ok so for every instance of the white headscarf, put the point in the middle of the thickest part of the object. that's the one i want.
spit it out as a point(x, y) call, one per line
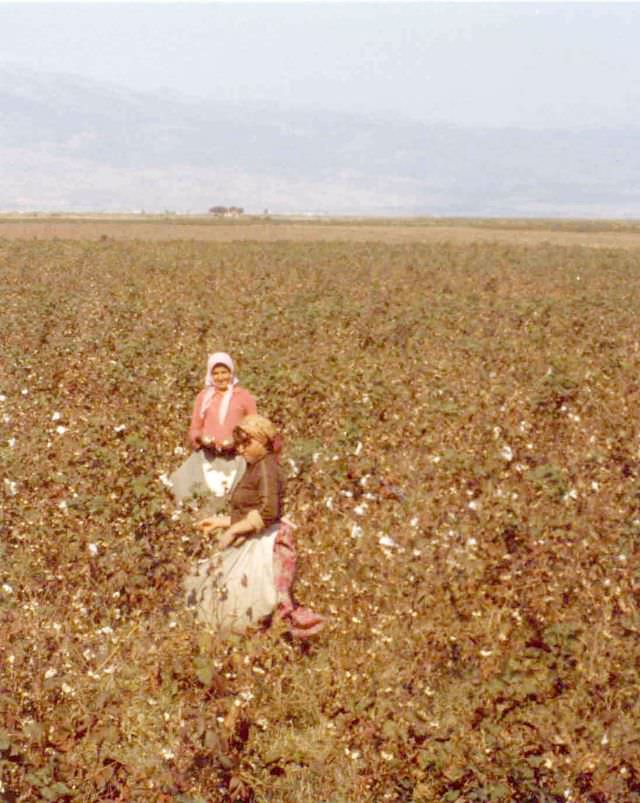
point(219, 358)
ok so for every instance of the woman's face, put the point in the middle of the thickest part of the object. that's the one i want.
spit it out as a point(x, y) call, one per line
point(221, 376)
point(251, 449)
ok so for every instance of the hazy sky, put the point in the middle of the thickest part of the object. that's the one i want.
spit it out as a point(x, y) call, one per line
point(565, 64)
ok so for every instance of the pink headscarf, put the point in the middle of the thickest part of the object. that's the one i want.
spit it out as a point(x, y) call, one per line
point(219, 358)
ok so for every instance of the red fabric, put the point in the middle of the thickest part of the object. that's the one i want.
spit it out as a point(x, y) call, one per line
point(242, 404)
point(302, 622)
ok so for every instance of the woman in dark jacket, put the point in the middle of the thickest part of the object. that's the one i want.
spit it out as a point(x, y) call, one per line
point(251, 576)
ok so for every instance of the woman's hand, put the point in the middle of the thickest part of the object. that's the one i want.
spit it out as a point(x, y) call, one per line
point(227, 538)
point(213, 523)
point(239, 530)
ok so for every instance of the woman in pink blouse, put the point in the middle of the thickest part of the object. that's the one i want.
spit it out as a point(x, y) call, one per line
point(220, 406)
point(214, 468)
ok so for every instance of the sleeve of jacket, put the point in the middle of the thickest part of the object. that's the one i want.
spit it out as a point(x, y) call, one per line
point(268, 491)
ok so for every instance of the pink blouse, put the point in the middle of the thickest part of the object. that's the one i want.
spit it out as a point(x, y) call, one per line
point(242, 404)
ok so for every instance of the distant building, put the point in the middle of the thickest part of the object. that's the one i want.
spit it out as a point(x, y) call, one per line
point(226, 211)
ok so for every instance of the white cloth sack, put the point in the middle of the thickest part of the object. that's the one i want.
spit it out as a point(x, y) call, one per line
point(222, 474)
point(204, 475)
point(235, 589)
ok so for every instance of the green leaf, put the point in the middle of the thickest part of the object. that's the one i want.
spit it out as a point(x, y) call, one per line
point(204, 670)
point(56, 791)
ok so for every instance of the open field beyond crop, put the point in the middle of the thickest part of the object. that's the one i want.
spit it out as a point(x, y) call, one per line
point(198, 228)
point(462, 427)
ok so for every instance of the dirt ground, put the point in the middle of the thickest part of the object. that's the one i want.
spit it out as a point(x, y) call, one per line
point(592, 234)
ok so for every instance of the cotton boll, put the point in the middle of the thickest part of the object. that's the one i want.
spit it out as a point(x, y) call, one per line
point(356, 531)
point(506, 453)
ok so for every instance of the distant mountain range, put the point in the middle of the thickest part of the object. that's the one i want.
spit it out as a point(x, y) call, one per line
point(71, 144)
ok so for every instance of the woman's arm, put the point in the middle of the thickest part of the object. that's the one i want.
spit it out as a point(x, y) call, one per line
point(250, 406)
point(267, 512)
point(213, 523)
point(268, 488)
point(197, 422)
point(251, 523)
